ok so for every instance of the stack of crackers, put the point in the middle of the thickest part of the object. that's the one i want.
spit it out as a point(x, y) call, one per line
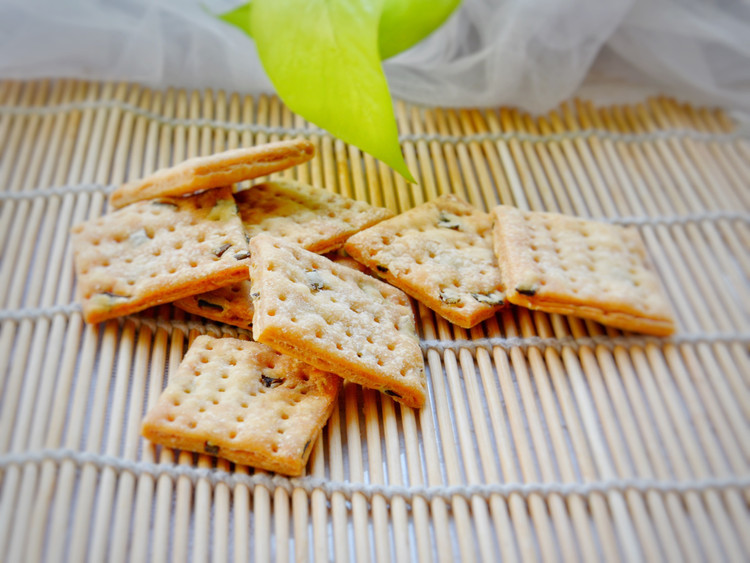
point(266, 258)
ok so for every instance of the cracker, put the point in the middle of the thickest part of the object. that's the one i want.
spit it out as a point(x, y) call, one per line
point(314, 218)
point(336, 318)
point(441, 254)
point(214, 171)
point(561, 264)
point(244, 402)
point(157, 251)
point(231, 304)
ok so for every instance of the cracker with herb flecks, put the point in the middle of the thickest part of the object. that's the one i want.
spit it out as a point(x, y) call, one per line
point(214, 171)
point(156, 251)
point(590, 269)
point(244, 402)
point(336, 318)
point(441, 254)
point(316, 219)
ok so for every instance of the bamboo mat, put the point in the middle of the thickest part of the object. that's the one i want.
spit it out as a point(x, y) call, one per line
point(545, 437)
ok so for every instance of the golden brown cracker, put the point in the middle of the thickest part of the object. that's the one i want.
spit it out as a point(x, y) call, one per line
point(441, 254)
point(314, 218)
point(156, 251)
point(336, 319)
point(214, 171)
point(244, 402)
point(591, 269)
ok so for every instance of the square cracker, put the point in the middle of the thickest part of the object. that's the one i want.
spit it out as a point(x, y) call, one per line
point(214, 171)
point(244, 402)
point(314, 218)
point(336, 318)
point(561, 264)
point(157, 251)
point(441, 254)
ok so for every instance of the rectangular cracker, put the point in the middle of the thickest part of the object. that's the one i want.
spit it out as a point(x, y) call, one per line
point(336, 318)
point(244, 402)
point(157, 251)
point(314, 218)
point(214, 171)
point(441, 254)
point(595, 270)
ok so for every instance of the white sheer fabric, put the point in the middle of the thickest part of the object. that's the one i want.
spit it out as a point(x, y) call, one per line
point(527, 53)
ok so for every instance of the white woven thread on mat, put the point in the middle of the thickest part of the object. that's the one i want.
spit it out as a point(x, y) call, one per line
point(348, 489)
point(588, 341)
point(202, 326)
point(31, 313)
point(668, 220)
point(205, 326)
point(57, 191)
point(742, 131)
point(707, 216)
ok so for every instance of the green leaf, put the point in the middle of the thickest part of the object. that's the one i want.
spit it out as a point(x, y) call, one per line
point(323, 59)
point(405, 23)
point(239, 17)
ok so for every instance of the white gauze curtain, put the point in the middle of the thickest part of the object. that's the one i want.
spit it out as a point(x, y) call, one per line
point(527, 53)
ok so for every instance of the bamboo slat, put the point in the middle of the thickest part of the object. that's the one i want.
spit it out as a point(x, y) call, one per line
point(544, 437)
